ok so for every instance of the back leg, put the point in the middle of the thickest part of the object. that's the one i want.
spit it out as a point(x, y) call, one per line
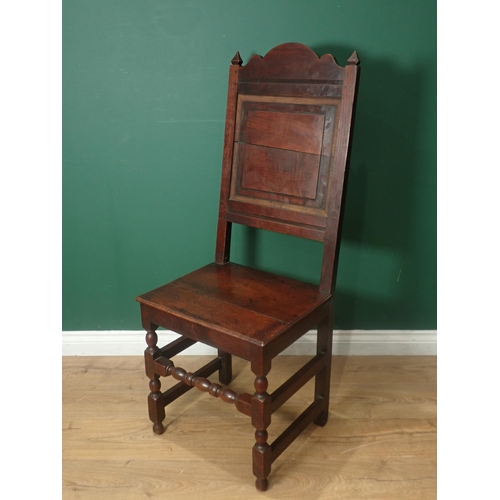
point(226, 371)
point(322, 382)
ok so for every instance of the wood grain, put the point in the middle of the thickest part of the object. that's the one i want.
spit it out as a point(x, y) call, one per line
point(379, 443)
point(302, 132)
point(278, 171)
point(275, 296)
point(237, 301)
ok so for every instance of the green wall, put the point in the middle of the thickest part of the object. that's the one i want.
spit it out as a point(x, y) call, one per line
point(144, 96)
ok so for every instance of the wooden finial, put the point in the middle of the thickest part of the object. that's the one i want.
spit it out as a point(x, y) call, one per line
point(353, 59)
point(237, 60)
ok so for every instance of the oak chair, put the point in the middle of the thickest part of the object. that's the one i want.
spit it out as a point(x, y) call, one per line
point(288, 124)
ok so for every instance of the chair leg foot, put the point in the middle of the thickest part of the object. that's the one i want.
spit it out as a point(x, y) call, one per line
point(321, 419)
point(158, 428)
point(261, 484)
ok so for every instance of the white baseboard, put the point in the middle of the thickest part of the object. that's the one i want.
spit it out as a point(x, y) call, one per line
point(345, 342)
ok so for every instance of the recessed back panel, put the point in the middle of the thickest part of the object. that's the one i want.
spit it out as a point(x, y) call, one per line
point(282, 157)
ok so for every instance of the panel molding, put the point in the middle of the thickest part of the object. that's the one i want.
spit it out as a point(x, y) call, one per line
point(346, 342)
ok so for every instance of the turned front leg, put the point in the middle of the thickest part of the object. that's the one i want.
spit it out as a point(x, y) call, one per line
point(261, 419)
point(155, 401)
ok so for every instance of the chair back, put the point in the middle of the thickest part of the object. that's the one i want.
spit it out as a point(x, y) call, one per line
point(288, 126)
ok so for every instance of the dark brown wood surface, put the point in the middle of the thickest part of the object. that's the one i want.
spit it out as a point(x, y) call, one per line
point(293, 62)
point(300, 132)
point(265, 169)
point(238, 301)
point(286, 144)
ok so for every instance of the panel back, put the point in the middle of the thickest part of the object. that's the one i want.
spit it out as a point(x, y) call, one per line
point(281, 167)
point(287, 132)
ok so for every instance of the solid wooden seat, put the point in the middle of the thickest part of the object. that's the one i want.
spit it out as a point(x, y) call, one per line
point(240, 308)
point(288, 124)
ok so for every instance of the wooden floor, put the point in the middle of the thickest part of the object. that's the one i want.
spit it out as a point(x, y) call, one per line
point(379, 443)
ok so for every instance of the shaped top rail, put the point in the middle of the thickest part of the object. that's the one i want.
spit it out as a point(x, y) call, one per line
point(291, 61)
